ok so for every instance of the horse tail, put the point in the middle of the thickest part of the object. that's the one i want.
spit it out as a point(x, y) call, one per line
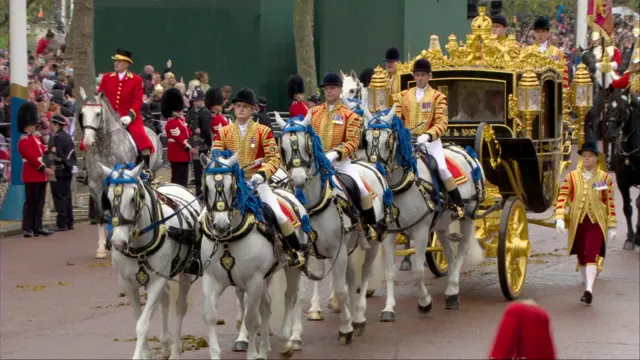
point(277, 288)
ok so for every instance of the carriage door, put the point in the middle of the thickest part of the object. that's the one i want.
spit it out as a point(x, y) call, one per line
point(547, 133)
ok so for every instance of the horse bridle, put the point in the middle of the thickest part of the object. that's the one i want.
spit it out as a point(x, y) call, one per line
point(221, 202)
point(621, 139)
point(99, 124)
point(375, 156)
point(117, 218)
point(297, 160)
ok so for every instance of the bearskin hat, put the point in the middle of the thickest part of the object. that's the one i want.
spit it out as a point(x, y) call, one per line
point(422, 65)
point(213, 97)
point(27, 115)
point(172, 100)
point(365, 77)
point(295, 85)
point(542, 23)
point(392, 54)
point(245, 95)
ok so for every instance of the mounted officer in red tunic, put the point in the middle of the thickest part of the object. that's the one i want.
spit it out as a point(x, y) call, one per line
point(124, 90)
point(295, 90)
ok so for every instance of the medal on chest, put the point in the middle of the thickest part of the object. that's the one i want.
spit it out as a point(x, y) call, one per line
point(600, 185)
point(338, 119)
point(426, 107)
point(252, 142)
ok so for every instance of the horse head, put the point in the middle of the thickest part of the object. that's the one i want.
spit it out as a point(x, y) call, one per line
point(296, 145)
point(351, 86)
point(93, 114)
point(123, 197)
point(379, 138)
point(618, 113)
point(220, 184)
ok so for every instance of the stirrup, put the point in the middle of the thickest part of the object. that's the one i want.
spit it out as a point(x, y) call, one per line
point(458, 212)
point(371, 233)
point(148, 175)
point(296, 259)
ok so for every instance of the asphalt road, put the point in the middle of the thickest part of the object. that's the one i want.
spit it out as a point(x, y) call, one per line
point(57, 302)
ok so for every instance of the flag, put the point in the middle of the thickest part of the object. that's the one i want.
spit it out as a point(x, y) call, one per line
point(600, 16)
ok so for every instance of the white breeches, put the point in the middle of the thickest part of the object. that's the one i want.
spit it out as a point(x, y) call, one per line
point(435, 149)
point(268, 197)
point(346, 167)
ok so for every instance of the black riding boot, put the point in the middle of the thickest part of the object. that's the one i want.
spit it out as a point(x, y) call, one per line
point(374, 228)
point(457, 201)
point(291, 244)
point(147, 166)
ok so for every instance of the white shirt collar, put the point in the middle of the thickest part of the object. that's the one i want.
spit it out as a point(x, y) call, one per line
point(544, 46)
point(420, 92)
point(243, 128)
point(121, 75)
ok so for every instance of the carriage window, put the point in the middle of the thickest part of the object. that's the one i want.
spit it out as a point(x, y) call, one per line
point(474, 101)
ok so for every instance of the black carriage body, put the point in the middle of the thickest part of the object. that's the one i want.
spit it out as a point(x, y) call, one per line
point(528, 167)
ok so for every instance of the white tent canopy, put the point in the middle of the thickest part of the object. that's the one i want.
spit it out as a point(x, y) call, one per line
point(625, 11)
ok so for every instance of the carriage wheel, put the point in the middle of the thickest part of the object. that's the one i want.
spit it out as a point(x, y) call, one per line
point(513, 248)
point(436, 261)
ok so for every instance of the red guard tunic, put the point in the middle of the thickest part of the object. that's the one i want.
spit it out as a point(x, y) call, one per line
point(32, 150)
point(125, 97)
point(178, 133)
point(218, 121)
point(298, 108)
point(258, 142)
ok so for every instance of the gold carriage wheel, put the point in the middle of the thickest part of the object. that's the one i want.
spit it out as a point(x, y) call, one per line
point(436, 260)
point(513, 248)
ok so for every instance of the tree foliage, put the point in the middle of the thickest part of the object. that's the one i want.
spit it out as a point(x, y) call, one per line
point(33, 8)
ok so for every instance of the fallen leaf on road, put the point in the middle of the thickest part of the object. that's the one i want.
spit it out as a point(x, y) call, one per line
point(31, 287)
point(70, 263)
point(538, 261)
point(63, 283)
point(190, 342)
point(122, 295)
point(99, 264)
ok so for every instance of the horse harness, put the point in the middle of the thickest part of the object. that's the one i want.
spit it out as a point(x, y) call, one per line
point(246, 225)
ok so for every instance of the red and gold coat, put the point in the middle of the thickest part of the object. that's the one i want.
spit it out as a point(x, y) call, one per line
point(258, 142)
point(432, 110)
point(585, 200)
point(218, 121)
point(178, 134)
point(125, 97)
point(339, 129)
point(32, 150)
point(298, 108)
point(553, 52)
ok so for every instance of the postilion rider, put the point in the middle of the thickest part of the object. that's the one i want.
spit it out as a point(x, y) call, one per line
point(424, 104)
point(124, 90)
point(179, 150)
point(339, 130)
point(588, 193)
point(35, 173)
point(499, 28)
point(63, 155)
point(251, 141)
point(391, 61)
point(199, 121)
point(542, 33)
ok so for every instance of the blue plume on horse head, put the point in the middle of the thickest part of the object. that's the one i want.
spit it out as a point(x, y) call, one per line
point(244, 198)
point(122, 178)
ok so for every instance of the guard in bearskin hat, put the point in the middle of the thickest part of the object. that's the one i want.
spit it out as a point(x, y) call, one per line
point(365, 77)
point(588, 191)
point(391, 62)
point(63, 155)
point(199, 121)
point(179, 151)
point(35, 174)
point(342, 128)
point(295, 90)
point(524, 333)
point(251, 141)
point(433, 113)
point(124, 89)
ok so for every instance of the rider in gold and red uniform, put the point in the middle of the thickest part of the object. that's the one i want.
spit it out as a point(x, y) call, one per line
point(124, 90)
point(541, 28)
point(295, 90)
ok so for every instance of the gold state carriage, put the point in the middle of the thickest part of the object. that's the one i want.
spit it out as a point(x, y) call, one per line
point(509, 106)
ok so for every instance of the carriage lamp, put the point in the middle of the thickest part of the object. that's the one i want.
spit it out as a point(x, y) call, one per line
point(529, 99)
point(582, 98)
point(379, 91)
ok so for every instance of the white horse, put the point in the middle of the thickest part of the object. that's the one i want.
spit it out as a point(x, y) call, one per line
point(236, 251)
point(109, 143)
point(311, 175)
point(352, 89)
point(417, 214)
point(149, 248)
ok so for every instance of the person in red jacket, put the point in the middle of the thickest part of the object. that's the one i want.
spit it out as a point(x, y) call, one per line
point(213, 99)
point(179, 152)
point(295, 89)
point(43, 43)
point(124, 90)
point(524, 333)
point(35, 174)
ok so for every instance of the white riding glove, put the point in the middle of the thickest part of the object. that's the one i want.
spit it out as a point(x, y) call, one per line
point(611, 234)
point(332, 156)
point(257, 179)
point(424, 138)
point(74, 170)
point(560, 227)
point(125, 120)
